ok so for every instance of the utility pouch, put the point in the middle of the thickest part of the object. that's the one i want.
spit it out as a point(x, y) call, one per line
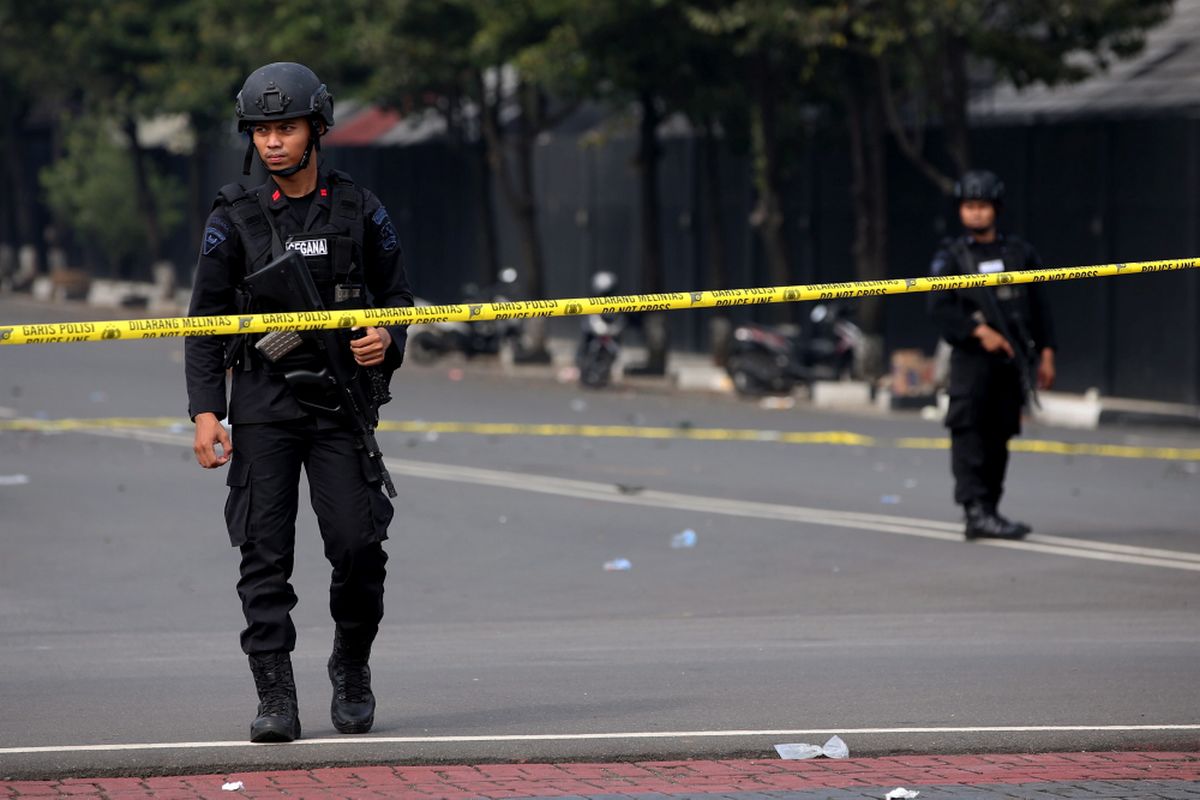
point(277, 344)
point(316, 391)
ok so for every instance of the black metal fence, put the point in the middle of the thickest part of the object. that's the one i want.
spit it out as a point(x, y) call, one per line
point(1085, 192)
point(1082, 192)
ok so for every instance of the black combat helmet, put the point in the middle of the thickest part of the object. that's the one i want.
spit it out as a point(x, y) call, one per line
point(979, 184)
point(284, 90)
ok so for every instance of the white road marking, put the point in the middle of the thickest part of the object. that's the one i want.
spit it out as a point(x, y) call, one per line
point(575, 737)
point(609, 493)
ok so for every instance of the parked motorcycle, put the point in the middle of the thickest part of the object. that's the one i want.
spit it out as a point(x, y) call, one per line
point(428, 342)
point(767, 359)
point(600, 344)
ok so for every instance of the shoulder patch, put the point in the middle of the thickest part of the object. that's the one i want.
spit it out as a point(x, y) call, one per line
point(388, 239)
point(214, 234)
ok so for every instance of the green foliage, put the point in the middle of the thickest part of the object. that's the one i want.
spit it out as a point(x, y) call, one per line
point(88, 190)
point(426, 47)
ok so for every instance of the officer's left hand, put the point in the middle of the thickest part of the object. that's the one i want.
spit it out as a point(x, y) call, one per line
point(369, 350)
point(1046, 372)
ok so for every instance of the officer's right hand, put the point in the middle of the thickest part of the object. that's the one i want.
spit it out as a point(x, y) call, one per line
point(993, 341)
point(209, 433)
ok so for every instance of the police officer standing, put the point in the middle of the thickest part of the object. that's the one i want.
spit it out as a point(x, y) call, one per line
point(353, 255)
point(1002, 343)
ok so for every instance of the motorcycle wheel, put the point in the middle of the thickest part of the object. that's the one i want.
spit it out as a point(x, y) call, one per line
point(423, 348)
point(595, 370)
point(755, 374)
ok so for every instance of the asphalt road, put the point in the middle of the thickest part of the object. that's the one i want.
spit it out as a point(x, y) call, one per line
point(828, 590)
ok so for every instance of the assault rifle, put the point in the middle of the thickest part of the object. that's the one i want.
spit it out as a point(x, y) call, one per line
point(340, 388)
point(1024, 348)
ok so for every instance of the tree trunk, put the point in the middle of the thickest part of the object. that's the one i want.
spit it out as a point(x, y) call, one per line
point(718, 270)
point(520, 196)
point(868, 189)
point(954, 101)
point(534, 347)
point(145, 198)
point(768, 216)
point(489, 263)
point(654, 325)
point(910, 144)
point(531, 240)
point(14, 163)
point(199, 201)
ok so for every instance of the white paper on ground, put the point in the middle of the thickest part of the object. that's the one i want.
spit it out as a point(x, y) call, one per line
point(793, 752)
point(834, 748)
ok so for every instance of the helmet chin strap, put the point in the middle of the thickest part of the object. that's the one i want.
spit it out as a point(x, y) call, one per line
point(314, 140)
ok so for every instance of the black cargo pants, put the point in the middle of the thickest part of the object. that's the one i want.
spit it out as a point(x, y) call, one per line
point(984, 414)
point(264, 478)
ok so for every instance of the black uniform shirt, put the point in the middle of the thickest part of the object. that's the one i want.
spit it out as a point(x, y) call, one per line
point(256, 395)
point(958, 313)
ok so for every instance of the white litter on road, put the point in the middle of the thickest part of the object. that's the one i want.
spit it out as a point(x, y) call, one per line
point(834, 748)
point(796, 752)
point(237, 786)
point(900, 793)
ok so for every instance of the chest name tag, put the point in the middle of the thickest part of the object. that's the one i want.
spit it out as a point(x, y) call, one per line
point(310, 247)
point(994, 265)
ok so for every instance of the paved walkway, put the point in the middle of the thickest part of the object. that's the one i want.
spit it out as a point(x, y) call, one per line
point(1055, 776)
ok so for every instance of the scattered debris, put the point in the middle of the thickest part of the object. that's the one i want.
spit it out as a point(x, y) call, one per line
point(618, 565)
point(232, 786)
point(567, 375)
point(834, 748)
point(683, 539)
point(456, 374)
point(14, 480)
point(431, 436)
point(628, 488)
point(796, 752)
point(900, 793)
point(890, 499)
point(777, 403)
point(579, 405)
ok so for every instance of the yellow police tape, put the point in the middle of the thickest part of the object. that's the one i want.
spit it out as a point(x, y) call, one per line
point(169, 327)
point(679, 432)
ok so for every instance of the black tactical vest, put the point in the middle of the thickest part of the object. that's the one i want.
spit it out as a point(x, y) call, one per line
point(332, 250)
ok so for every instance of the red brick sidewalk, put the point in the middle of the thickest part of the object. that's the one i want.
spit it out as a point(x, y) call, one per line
point(1077, 775)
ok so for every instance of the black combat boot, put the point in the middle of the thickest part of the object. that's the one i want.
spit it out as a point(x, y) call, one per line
point(353, 707)
point(278, 718)
point(984, 523)
point(1024, 527)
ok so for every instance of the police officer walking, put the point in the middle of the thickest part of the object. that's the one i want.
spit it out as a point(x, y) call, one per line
point(1003, 345)
point(353, 255)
